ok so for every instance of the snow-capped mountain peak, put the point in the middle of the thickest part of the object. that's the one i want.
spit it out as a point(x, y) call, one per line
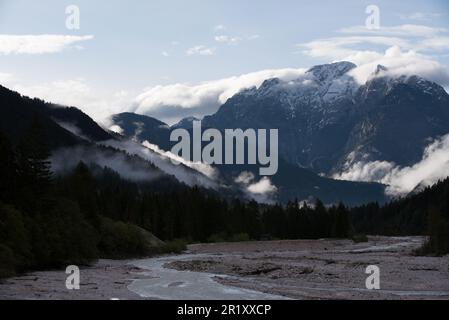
point(320, 86)
point(332, 71)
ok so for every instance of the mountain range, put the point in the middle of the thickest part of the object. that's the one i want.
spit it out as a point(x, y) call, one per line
point(326, 121)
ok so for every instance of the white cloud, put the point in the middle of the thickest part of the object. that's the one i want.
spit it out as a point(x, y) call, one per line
point(245, 178)
point(203, 168)
point(165, 53)
point(400, 63)
point(434, 166)
point(219, 27)
point(439, 43)
point(163, 161)
point(200, 51)
point(78, 93)
point(169, 103)
point(39, 44)
point(228, 40)
point(403, 49)
point(5, 78)
point(262, 187)
point(262, 191)
point(73, 129)
point(173, 102)
point(117, 129)
point(367, 171)
point(342, 48)
point(354, 46)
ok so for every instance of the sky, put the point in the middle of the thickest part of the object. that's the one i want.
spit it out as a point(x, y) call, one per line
point(175, 58)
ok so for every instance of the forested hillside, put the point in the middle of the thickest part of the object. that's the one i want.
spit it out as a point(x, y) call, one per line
point(92, 212)
point(50, 221)
point(424, 213)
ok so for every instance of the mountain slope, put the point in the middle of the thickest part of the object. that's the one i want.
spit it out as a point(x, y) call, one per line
point(312, 113)
point(62, 126)
point(291, 181)
point(72, 136)
point(397, 119)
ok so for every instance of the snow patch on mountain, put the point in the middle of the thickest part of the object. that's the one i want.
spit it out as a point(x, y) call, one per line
point(321, 85)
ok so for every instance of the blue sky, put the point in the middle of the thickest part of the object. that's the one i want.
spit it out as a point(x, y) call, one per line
point(124, 49)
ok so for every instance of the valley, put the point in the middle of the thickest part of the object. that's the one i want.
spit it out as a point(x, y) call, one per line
point(201, 150)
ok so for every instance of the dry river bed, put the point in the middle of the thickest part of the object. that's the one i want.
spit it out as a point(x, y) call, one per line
point(300, 269)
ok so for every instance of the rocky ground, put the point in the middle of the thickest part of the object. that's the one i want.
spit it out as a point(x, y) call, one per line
point(302, 269)
point(107, 279)
point(326, 269)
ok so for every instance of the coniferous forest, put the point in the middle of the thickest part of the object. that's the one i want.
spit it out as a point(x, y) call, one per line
point(49, 221)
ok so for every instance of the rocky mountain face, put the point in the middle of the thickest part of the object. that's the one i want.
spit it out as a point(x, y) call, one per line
point(327, 121)
point(396, 120)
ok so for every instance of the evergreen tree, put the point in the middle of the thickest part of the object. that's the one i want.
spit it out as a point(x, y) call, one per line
point(8, 171)
point(34, 174)
point(342, 224)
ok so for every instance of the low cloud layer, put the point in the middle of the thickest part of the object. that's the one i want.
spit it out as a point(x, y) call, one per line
point(190, 173)
point(65, 160)
point(39, 44)
point(434, 166)
point(194, 175)
point(202, 168)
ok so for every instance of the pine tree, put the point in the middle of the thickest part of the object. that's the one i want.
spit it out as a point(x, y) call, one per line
point(35, 176)
point(8, 171)
point(83, 190)
point(342, 224)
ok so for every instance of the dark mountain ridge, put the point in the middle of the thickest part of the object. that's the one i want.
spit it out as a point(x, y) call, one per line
point(17, 112)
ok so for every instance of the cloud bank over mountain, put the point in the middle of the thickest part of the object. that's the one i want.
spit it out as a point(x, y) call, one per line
point(405, 49)
point(174, 102)
point(170, 103)
point(434, 166)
